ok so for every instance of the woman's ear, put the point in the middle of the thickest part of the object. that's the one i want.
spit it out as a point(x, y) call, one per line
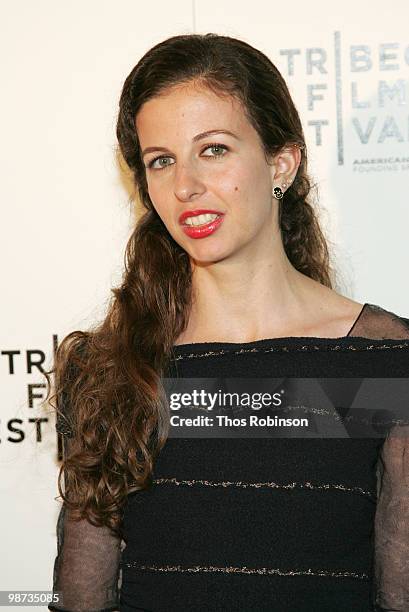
point(284, 165)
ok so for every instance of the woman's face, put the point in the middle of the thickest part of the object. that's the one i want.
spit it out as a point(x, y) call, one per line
point(190, 169)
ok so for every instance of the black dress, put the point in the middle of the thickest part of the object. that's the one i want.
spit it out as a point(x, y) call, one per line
point(261, 524)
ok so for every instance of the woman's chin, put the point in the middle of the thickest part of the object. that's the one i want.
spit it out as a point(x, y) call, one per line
point(206, 255)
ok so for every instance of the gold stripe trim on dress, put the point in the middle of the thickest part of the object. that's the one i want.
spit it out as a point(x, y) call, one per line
point(262, 485)
point(262, 571)
point(289, 349)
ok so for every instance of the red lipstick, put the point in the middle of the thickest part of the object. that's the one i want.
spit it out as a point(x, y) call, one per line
point(200, 231)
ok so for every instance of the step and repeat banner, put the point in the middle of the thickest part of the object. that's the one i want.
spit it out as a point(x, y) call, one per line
point(66, 209)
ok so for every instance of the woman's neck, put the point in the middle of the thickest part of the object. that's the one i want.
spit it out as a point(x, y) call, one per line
point(252, 308)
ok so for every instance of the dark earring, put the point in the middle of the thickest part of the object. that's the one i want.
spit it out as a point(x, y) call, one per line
point(278, 193)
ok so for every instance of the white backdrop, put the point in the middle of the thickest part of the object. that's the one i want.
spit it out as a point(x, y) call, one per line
point(65, 210)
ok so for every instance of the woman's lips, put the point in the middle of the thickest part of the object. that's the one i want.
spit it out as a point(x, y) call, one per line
point(201, 231)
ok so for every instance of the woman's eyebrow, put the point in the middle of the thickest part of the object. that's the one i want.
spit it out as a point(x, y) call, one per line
point(194, 139)
point(211, 132)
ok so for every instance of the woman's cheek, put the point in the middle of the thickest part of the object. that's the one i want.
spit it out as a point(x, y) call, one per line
point(156, 196)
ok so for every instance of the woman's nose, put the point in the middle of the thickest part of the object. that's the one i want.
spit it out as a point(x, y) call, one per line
point(188, 183)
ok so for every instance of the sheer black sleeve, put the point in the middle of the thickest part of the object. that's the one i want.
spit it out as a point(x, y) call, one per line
point(392, 523)
point(391, 529)
point(87, 566)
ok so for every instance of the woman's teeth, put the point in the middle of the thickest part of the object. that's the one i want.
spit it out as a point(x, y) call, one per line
point(200, 219)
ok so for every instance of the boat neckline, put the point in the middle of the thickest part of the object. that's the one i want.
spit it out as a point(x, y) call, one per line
point(267, 341)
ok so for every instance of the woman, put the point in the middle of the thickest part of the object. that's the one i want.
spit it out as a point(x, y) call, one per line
point(227, 274)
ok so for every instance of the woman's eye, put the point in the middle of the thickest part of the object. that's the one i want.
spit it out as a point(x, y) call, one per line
point(163, 161)
point(157, 163)
point(218, 150)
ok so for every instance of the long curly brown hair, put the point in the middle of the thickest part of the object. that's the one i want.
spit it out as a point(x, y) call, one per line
point(107, 380)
